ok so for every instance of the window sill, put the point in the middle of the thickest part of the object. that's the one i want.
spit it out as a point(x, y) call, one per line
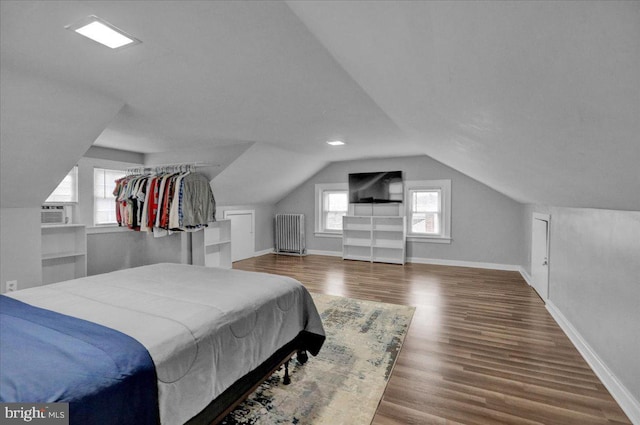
point(429, 239)
point(327, 235)
point(106, 229)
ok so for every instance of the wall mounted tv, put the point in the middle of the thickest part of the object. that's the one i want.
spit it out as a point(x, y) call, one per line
point(375, 188)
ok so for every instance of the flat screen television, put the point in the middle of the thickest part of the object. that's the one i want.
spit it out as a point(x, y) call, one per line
point(375, 188)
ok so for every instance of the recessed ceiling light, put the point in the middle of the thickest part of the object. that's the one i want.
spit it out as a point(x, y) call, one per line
point(103, 32)
point(335, 142)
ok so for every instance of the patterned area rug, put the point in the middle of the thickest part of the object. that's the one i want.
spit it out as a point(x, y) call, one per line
point(345, 382)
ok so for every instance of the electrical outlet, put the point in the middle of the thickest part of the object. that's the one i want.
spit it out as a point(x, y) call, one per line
point(12, 285)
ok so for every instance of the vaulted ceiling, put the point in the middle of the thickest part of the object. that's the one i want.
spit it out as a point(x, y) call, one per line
point(539, 100)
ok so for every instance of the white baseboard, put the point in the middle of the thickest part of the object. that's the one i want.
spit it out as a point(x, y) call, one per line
point(629, 404)
point(309, 252)
point(327, 253)
point(263, 252)
point(526, 276)
point(458, 263)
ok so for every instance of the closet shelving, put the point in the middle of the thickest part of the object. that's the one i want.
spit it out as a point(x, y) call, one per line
point(374, 238)
point(211, 247)
point(64, 252)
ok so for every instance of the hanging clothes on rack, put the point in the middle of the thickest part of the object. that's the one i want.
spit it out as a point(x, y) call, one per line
point(170, 199)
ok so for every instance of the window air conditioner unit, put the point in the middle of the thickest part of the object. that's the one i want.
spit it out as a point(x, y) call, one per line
point(53, 214)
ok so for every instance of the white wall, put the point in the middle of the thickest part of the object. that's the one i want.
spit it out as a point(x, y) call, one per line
point(107, 252)
point(124, 249)
point(264, 222)
point(485, 225)
point(20, 247)
point(594, 283)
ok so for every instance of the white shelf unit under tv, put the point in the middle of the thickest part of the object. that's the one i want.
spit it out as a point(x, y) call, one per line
point(374, 238)
point(64, 252)
point(211, 247)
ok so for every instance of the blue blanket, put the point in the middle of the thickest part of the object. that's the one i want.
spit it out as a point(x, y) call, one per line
point(106, 376)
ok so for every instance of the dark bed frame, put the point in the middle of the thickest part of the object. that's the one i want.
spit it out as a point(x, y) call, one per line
point(242, 388)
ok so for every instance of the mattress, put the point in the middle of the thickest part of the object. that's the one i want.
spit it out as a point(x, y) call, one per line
point(204, 327)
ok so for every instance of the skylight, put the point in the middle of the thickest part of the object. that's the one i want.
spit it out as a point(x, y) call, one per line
point(103, 32)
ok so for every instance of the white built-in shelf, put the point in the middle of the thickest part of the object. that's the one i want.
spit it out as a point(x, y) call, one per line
point(64, 252)
point(391, 209)
point(358, 226)
point(356, 242)
point(53, 256)
point(389, 244)
point(211, 247)
point(374, 238)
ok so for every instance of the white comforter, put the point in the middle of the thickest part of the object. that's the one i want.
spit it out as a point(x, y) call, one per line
point(204, 327)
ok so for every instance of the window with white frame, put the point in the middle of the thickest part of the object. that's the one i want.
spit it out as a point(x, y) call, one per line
point(426, 212)
point(332, 203)
point(67, 190)
point(104, 211)
point(429, 209)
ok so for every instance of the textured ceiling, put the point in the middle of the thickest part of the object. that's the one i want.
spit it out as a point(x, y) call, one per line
point(539, 100)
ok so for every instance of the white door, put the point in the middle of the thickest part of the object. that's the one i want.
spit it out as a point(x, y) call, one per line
point(242, 234)
point(540, 255)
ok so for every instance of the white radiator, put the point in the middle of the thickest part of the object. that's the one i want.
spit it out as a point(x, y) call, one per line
point(289, 234)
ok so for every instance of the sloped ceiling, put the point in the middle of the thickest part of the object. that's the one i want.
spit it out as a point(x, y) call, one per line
point(539, 100)
point(210, 161)
point(263, 173)
point(45, 128)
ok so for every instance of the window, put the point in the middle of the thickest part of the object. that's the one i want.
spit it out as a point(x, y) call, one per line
point(429, 210)
point(332, 203)
point(67, 190)
point(335, 207)
point(425, 214)
point(104, 211)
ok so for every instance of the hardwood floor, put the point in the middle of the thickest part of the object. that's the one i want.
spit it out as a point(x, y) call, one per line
point(481, 348)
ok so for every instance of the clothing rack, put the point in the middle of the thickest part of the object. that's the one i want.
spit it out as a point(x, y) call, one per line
point(167, 168)
point(164, 198)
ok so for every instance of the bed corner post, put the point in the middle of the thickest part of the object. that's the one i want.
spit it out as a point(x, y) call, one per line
point(286, 380)
point(302, 357)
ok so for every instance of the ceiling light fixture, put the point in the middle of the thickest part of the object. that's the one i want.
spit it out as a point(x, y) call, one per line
point(103, 32)
point(335, 142)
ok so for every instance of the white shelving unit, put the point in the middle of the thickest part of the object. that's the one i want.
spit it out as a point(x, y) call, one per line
point(392, 209)
point(64, 252)
point(374, 238)
point(388, 240)
point(211, 247)
point(356, 238)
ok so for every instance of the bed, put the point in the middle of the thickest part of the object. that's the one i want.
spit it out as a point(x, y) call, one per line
point(211, 335)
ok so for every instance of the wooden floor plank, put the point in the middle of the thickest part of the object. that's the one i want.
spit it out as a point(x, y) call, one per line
point(481, 349)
